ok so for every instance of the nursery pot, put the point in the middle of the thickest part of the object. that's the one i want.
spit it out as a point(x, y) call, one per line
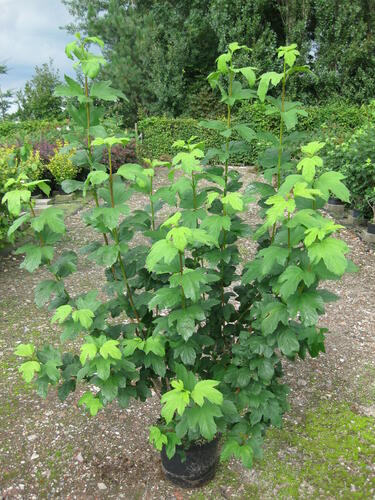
point(198, 468)
point(371, 227)
point(355, 213)
point(335, 201)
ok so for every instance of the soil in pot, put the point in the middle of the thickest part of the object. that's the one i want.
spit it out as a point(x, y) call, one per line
point(198, 468)
point(371, 227)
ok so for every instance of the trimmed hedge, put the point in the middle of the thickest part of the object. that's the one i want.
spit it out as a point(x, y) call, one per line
point(340, 119)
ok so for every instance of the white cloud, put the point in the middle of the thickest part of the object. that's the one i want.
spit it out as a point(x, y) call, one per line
point(30, 36)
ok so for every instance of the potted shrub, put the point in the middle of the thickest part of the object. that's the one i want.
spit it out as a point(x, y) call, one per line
point(205, 329)
point(371, 202)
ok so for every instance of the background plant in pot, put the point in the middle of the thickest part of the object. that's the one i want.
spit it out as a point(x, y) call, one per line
point(370, 198)
point(183, 312)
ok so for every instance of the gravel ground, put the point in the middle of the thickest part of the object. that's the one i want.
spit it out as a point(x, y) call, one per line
point(326, 449)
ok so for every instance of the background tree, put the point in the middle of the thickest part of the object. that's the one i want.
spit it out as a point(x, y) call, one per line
point(159, 51)
point(36, 101)
point(6, 97)
point(6, 101)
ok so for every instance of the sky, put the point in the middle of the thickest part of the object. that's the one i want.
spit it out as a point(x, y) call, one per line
point(29, 36)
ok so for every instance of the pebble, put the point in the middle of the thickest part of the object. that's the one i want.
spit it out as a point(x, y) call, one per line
point(32, 437)
point(79, 457)
point(34, 456)
point(102, 486)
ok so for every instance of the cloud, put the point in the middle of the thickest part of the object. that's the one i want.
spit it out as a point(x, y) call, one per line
point(30, 36)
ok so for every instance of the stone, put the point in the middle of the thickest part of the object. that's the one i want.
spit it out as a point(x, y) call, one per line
point(336, 211)
point(368, 237)
point(102, 486)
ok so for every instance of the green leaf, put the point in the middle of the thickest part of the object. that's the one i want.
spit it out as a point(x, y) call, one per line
point(246, 455)
point(206, 389)
point(247, 133)
point(157, 438)
point(109, 216)
point(291, 278)
point(88, 351)
point(25, 350)
point(105, 255)
point(264, 83)
point(308, 304)
point(18, 223)
point(204, 418)
point(14, 200)
point(279, 206)
point(332, 252)
point(214, 224)
point(164, 297)
point(308, 167)
point(271, 256)
point(312, 148)
point(266, 370)
point(288, 343)
point(172, 221)
point(109, 348)
point(234, 200)
point(229, 449)
point(34, 256)
point(103, 90)
point(70, 185)
point(28, 370)
point(191, 281)
point(186, 353)
point(130, 345)
point(71, 89)
point(161, 250)
point(91, 402)
point(155, 344)
point(65, 265)
point(103, 367)
point(331, 181)
point(180, 236)
point(51, 370)
point(61, 313)
point(213, 125)
point(249, 74)
point(97, 177)
point(45, 289)
point(84, 317)
point(272, 315)
point(175, 400)
point(173, 441)
point(51, 217)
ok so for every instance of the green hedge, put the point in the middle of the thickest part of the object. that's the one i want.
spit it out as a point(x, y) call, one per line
point(335, 118)
point(159, 133)
point(11, 131)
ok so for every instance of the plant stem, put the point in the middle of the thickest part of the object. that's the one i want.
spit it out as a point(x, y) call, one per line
point(183, 301)
point(89, 149)
point(116, 238)
point(280, 152)
point(152, 207)
point(229, 111)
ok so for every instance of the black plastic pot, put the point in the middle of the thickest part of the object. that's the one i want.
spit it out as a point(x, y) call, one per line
point(335, 201)
point(198, 468)
point(371, 227)
point(356, 214)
